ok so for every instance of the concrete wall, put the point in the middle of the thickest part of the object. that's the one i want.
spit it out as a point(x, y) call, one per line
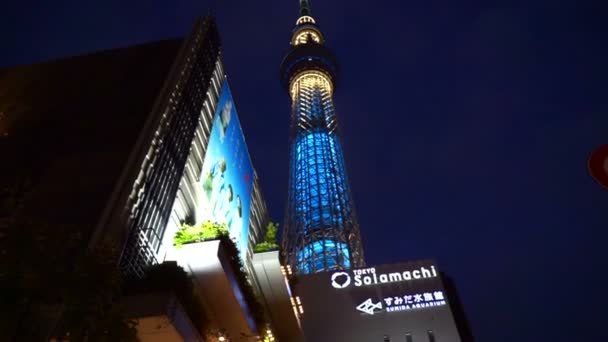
point(276, 296)
point(209, 265)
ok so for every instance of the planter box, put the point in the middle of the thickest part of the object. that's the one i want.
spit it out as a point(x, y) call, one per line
point(209, 264)
point(161, 318)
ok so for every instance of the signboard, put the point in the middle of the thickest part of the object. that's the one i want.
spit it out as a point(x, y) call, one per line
point(364, 304)
point(400, 287)
point(369, 276)
point(227, 175)
point(402, 303)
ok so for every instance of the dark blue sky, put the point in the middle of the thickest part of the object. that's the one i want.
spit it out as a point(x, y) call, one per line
point(466, 127)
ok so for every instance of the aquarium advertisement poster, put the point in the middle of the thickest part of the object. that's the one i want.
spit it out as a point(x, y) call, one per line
point(227, 175)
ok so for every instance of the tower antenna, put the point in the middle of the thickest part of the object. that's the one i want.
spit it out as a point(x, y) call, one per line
point(304, 8)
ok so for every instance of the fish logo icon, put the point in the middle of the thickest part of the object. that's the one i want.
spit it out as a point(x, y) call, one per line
point(369, 306)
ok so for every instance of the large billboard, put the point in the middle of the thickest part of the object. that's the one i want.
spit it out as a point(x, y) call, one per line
point(227, 175)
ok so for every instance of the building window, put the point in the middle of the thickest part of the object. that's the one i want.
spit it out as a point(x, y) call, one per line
point(387, 338)
point(408, 337)
point(431, 335)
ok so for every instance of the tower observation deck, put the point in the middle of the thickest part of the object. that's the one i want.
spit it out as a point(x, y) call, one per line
point(321, 232)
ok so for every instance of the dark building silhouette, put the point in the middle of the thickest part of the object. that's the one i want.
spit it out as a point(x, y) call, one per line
point(460, 317)
point(114, 141)
point(67, 128)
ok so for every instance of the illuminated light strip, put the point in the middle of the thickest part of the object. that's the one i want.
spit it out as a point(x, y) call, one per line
point(302, 37)
point(300, 308)
point(286, 270)
point(305, 19)
point(308, 80)
point(296, 307)
point(295, 311)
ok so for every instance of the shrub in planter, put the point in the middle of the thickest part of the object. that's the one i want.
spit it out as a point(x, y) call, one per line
point(205, 231)
point(270, 243)
point(214, 231)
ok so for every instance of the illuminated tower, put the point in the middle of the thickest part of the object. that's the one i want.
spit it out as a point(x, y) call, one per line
point(321, 231)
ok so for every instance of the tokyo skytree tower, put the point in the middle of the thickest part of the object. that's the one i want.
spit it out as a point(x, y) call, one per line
point(321, 231)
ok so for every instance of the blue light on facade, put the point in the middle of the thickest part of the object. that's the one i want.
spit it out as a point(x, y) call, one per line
point(316, 188)
point(312, 258)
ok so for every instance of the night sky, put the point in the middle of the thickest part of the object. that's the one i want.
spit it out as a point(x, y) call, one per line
point(466, 127)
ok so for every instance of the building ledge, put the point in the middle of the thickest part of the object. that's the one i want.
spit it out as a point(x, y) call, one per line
point(160, 317)
point(209, 264)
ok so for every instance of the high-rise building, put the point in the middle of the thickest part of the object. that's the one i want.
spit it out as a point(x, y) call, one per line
point(115, 141)
point(321, 231)
point(131, 144)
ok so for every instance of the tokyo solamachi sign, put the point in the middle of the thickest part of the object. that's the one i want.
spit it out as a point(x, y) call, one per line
point(369, 276)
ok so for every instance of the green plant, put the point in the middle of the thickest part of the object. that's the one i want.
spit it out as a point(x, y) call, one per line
point(265, 247)
point(203, 232)
point(270, 243)
point(271, 232)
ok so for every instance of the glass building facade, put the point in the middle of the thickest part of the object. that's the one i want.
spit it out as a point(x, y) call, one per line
point(154, 190)
point(166, 192)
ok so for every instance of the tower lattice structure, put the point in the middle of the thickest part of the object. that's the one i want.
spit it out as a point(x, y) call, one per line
point(321, 231)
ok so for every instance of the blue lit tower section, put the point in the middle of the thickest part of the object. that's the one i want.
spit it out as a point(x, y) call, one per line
point(321, 232)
